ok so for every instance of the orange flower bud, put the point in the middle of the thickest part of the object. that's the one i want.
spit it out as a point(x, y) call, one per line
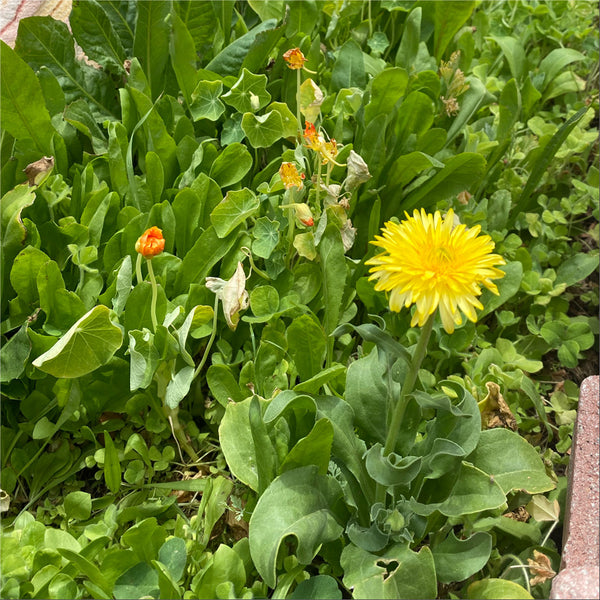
point(304, 214)
point(294, 58)
point(151, 243)
point(290, 176)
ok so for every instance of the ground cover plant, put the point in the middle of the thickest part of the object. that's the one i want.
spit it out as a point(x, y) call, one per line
point(296, 298)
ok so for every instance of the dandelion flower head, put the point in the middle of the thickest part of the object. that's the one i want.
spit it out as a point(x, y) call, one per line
point(430, 262)
point(150, 243)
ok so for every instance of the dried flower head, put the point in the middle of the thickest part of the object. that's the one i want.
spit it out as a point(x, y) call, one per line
point(294, 58)
point(430, 262)
point(151, 243)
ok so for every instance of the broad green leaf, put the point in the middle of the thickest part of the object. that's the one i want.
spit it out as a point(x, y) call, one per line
point(226, 566)
point(78, 505)
point(314, 384)
point(333, 270)
point(14, 355)
point(509, 109)
point(139, 581)
point(349, 68)
point(317, 587)
point(44, 41)
point(62, 586)
point(301, 18)
point(449, 17)
point(143, 359)
point(263, 448)
point(391, 469)
point(183, 56)
point(205, 101)
point(298, 503)
point(457, 559)
point(202, 256)
point(138, 307)
point(469, 102)
point(199, 19)
point(288, 119)
point(235, 208)
point(313, 449)
point(79, 115)
point(491, 589)
point(167, 586)
point(151, 42)
point(173, 555)
point(514, 53)
point(231, 165)
point(266, 236)
point(576, 268)
point(24, 271)
point(223, 386)
point(267, 9)
point(179, 386)
point(248, 93)
point(94, 32)
point(399, 573)
point(264, 301)
point(405, 168)
point(90, 343)
point(411, 36)
point(307, 346)
point(555, 62)
point(508, 286)
point(461, 172)
point(264, 130)
point(512, 461)
point(386, 91)
point(88, 568)
point(112, 466)
point(230, 59)
point(415, 116)
point(24, 112)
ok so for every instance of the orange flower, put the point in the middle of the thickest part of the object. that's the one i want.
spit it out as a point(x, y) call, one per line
point(151, 243)
point(313, 140)
point(290, 176)
point(330, 151)
point(294, 58)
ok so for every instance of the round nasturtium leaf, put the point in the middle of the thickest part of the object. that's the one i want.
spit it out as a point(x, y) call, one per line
point(87, 345)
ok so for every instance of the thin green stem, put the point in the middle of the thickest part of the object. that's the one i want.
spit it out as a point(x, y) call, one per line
point(407, 388)
point(298, 114)
point(154, 294)
point(179, 433)
point(318, 191)
point(138, 268)
point(210, 340)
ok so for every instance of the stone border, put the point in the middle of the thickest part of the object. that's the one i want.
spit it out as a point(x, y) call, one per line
point(579, 569)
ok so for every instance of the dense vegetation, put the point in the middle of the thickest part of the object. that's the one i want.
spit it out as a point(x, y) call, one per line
point(200, 382)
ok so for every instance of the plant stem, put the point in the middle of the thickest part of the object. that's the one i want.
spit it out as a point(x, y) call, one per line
point(210, 340)
point(179, 433)
point(138, 268)
point(298, 114)
point(154, 294)
point(409, 382)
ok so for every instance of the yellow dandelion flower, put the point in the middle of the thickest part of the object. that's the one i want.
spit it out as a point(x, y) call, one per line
point(430, 262)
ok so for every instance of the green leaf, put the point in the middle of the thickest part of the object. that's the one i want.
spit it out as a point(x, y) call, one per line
point(266, 237)
point(525, 201)
point(231, 165)
point(313, 449)
point(288, 118)
point(144, 359)
point(405, 168)
point(333, 269)
point(391, 469)
point(307, 346)
point(449, 17)
point(512, 461)
point(555, 62)
point(95, 34)
point(235, 208)
point(24, 113)
point(204, 254)
point(78, 505)
point(508, 286)
point(226, 566)
point(349, 68)
point(461, 172)
point(90, 343)
point(264, 301)
point(183, 57)
point(457, 559)
point(399, 573)
point(179, 386)
point(317, 587)
point(44, 41)
point(14, 355)
point(223, 385)
point(386, 91)
point(470, 102)
point(298, 503)
point(88, 568)
point(514, 53)
point(231, 58)
point(575, 269)
point(151, 42)
point(314, 384)
point(264, 130)
point(79, 115)
point(24, 271)
point(248, 93)
point(137, 314)
point(263, 449)
point(112, 466)
point(173, 555)
point(139, 581)
point(267, 9)
point(205, 101)
point(491, 589)
point(411, 36)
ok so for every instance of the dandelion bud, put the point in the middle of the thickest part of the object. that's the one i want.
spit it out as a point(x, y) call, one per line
point(151, 243)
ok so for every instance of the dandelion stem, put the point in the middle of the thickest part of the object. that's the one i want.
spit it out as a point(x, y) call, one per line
point(138, 268)
point(409, 382)
point(210, 340)
point(154, 295)
point(298, 114)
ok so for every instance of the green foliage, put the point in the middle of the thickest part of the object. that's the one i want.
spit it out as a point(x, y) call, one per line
point(213, 421)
